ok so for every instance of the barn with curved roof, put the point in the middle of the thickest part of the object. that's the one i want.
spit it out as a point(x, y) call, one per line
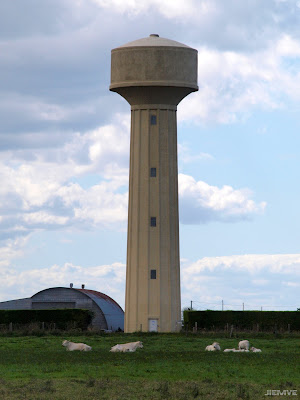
point(108, 315)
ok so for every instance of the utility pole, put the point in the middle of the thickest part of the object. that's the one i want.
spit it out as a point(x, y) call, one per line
point(191, 304)
point(243, 306)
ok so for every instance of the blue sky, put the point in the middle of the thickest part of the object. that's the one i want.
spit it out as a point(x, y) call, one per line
point(64, 148)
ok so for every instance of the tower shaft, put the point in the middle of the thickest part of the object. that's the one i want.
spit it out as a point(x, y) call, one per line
point(153, 274)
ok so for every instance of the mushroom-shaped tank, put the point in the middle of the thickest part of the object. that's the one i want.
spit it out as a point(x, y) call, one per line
point(154, 70)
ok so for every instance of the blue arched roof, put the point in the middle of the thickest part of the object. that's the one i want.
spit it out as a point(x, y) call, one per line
point(113, 313)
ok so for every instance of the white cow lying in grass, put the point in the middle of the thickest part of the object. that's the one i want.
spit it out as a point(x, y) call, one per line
point(255, 350)
point(236, 351)
point(244, 345)
point(217, 346)
point(241, 351)
point(126, 347)
point(76, 346)
point(213, 347)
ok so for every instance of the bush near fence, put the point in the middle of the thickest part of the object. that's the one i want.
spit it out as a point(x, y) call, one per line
point(248, 320)
point(62, 318)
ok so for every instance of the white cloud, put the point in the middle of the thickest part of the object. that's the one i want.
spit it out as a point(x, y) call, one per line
point(43, 218)
point(292, 284)
point(270, 281)
point(232, 84)
point(239, 68)
point(12, 249)
point(185, 155)
point(201, 202)
point(99, 206)
point(288, 46)
point(168, 8)
point(42, 196)
point(108, 279)
point(250, 263)
point(260, 282)
point(49, 188)
point(46, 191)
point(206, 282)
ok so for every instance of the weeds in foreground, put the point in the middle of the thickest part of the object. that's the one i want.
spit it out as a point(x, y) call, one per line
point(243, 392)
point(111, 389)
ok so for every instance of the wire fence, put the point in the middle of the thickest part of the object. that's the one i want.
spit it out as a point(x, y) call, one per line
point(243, 306)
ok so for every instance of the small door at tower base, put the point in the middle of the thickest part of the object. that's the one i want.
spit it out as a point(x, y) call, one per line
point(153, 325)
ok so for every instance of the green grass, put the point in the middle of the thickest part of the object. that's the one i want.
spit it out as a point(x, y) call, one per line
point(170, 366)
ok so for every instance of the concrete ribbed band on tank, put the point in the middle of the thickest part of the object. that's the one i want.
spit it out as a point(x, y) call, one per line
point(154, 61)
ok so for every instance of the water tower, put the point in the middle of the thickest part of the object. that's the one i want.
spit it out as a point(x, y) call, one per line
point(153, 74)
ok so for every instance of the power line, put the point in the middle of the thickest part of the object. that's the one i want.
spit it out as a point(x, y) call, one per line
point(243, 305)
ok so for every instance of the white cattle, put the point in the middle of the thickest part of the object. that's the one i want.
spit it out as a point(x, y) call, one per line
point(70, 346)
point(126, 347)
point(241, 351)
point(255, 350)
point(236, 351)
point(244, 345)
point(115, 348)
point(213, 347)
point(210, 348)
point(217, 346)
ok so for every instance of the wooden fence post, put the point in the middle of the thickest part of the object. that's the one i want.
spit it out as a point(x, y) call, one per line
point(10, 327)
point(231, 330)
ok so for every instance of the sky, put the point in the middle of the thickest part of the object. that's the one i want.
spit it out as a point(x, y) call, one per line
point(64, 148)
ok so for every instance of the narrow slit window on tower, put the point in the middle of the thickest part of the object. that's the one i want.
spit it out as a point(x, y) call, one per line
point(153, 221)
point(153, 119)
point(153, 172)
point(153, 274)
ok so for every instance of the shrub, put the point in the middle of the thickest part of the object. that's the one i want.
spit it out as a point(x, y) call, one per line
point(266, 320)
point(62, 318)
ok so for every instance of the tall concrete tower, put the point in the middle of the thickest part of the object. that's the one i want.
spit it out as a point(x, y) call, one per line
point(153, 74)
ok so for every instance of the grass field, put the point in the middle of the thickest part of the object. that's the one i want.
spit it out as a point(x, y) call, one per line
point(170, 366)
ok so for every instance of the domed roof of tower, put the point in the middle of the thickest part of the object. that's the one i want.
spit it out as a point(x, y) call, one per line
point(154, 40)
